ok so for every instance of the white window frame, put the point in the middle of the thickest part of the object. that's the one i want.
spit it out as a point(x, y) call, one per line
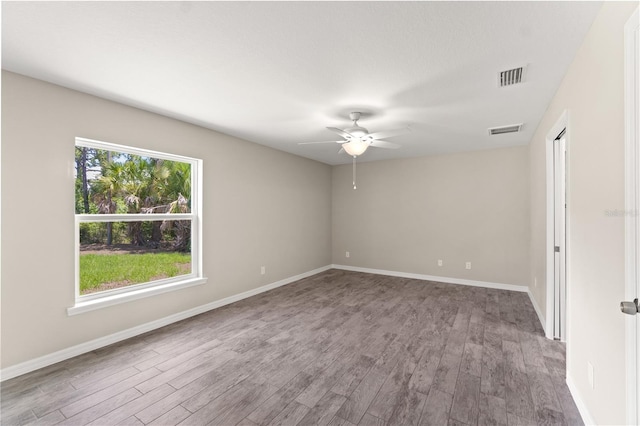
point(89, 302)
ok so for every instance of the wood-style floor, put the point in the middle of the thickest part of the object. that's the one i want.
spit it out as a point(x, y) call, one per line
point(338, 348)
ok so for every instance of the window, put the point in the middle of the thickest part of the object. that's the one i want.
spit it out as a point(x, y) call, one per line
point(137, 222)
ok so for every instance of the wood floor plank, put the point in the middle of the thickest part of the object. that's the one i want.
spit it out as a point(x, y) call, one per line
point(394, 389)
point(130, 408)
point(81, 404)
point(351, 378)
point(180, 356)
point(130, 421)
point(472, 359)
point(213, 391)
point(531, 351)
point(425, 372)
point(546, 417)
point(407, 408)
point(337, 421)
point(551, 348)
point(277, 376)
point(518, 394)
point(206, 410)
point(436, 409)
point(447, 373)
point(555, 366)
point(291, 415)
point(477, 316)
point(191, 372)
point(569, 408)
point(322, 413)
point(237, 411)
point(357, 403)
point(543, 392)
point(50, 419)
point(492, 379)
point(182, 372)
point(493, 411)
point(369, 420)
point(20, 418)
point(475, 334)
point(102, 408)
point(492, 343)
point(455, 343)
point(277, 402)
point(513, 420)
point(246, 422)
point(513, 356)
point(466, 399)
point(171, 417)
point(340, 348)
point(323, 382)
point(203, 389)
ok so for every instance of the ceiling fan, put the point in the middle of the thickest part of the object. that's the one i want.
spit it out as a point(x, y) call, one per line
point(356, 139)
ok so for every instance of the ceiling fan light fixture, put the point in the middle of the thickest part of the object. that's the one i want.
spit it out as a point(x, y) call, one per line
point(355, 147)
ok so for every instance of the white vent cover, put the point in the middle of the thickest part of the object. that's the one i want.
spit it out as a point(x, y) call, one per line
point(510, 77)
point(514, 128)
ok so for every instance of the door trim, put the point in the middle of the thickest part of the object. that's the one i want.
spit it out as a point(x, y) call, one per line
point(632, 204)
point(561, 124)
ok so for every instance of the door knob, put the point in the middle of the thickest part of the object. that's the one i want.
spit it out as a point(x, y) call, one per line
point(629, 308)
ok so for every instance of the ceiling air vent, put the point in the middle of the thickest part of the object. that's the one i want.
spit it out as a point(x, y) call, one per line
point(511, 77)
point(514, 128)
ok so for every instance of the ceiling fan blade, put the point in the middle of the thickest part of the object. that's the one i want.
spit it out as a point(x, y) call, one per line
point(384, 144)
point(341, 151)
point(340, 132)
point(310, 143)
point(390, 133)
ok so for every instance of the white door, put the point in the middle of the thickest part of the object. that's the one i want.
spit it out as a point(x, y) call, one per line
point(559, 222)
point(632, 213)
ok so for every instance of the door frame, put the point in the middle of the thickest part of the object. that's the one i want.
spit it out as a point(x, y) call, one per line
point(632, 206)
point(561, 124)
point(560, 236)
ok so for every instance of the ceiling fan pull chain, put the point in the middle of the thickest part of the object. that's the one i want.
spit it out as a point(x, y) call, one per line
point(354, 172)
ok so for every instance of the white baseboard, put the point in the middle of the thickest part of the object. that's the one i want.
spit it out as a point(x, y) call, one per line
point(582, 407)
point(541, 317)
point(447, 280)
point(61, 355)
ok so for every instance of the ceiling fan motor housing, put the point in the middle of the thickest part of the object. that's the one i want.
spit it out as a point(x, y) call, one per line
point(357, 131)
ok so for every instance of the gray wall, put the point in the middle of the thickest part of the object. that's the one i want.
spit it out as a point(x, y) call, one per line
point(261, 207)
point(593, 93)
point(406, 214)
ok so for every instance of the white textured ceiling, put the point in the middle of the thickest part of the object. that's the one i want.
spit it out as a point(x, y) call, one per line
point(278, 73)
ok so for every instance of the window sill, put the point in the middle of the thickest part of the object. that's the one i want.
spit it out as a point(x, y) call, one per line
point(116, 299)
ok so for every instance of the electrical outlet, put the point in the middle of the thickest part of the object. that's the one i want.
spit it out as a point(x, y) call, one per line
point(263, 270)
point(467, 265)
point(439, 262)
point(590, 374)
point(346, 254)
